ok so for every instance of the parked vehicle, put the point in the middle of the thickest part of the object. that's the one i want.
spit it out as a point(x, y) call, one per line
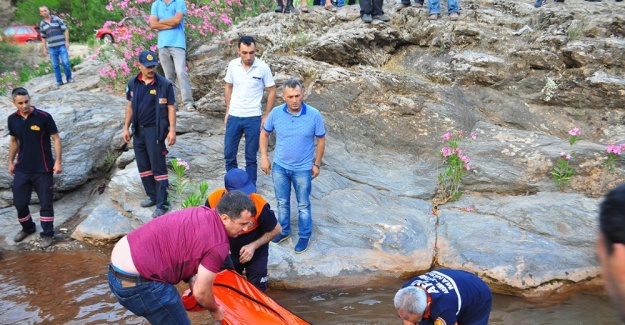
point(21, 34)
point(108, 34)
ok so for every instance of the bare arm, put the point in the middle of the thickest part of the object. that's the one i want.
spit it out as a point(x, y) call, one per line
point(171, 115)
point(263, 142)
point(168, 23)
point(44, 44)
point(13, 145)
point(227, 95)
point(126, 131)
point(203, 292)
point(247, 252)
point(321, 146)
point(56, 139)
point(66, 34)
point(271, 99)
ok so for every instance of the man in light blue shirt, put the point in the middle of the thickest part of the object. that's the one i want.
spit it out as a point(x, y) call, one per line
point(167, 16)
point(296, 161)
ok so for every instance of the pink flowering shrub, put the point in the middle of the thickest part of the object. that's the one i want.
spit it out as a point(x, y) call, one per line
point(183, 194)
point(562, 171)
point(614, 154)
point(455, 165)
point(205, 19)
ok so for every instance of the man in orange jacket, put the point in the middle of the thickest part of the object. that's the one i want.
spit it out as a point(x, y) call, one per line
point(250, 250)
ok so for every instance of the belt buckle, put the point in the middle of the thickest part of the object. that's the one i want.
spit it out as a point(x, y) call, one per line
point(126, 284)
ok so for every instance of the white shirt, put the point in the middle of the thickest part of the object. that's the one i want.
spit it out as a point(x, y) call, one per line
point(248, 87)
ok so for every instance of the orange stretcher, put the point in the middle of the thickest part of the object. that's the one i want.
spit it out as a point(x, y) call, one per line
point(243, 303)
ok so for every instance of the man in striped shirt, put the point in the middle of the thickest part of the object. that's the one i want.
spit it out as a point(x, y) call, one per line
point(55, 38)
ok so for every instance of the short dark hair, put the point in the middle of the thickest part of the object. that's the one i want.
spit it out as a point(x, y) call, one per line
point(247, 40)
point(235, 202)
point(612, 217)
point(292, 83)
point(19, 91)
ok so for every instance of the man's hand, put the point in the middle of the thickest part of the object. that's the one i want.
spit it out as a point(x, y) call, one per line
point(67, 45)
point(218, 314)
point(315, 171)
point(126, 135)
point(11, 169)
point(226, 120)
point(171, 138)
point(246, 253)
point(265, 166)
point(57, 169)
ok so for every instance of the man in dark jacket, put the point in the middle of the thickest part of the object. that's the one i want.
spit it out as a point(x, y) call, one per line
point(152, 112)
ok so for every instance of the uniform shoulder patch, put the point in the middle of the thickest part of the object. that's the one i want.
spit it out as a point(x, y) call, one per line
point(440, 321)
point(162, 100)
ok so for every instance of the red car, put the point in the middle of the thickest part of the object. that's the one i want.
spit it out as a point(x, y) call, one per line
point(22, 34)
point(107, 34)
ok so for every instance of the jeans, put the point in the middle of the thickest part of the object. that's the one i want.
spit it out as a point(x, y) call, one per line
point(158, 302)
point(435, 6)
point(55, 53)
point(301, 180)
point(235, 128)
point(372, 7)
point(174, 62)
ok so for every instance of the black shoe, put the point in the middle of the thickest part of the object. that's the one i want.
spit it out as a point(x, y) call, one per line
point(367, 18)
point(46, 242)
point(159, 212)
point(382, 17)
point(279, 8)
point(21, 236)
point(289, 9)
point(147, 203)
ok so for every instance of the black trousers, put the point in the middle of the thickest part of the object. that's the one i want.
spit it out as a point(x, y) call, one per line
point(43, 184)
point(372, 7)
point(150, 153)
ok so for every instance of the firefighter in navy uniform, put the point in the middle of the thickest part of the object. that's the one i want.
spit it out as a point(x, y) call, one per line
point(151, 110)
point(30, 131)
point(250, 250)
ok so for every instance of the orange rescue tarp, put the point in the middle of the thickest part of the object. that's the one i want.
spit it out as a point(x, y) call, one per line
point(243, 303)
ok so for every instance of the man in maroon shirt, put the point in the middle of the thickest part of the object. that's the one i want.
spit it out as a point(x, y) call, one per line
point(149, 261)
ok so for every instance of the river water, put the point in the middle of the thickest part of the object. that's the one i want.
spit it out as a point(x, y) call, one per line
point(69, 287)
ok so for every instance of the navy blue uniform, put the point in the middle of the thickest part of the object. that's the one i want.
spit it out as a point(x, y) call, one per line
point(34, 167)
point(150, 125)
point(455, 297)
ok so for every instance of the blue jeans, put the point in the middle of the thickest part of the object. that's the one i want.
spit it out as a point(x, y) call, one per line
point(158, 302)
point(435, 6)
point(55, 53)
point(301, 180)
point(235, 128)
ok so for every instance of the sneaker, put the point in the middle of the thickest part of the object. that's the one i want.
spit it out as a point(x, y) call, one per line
point(46, 242)
point(21, 236)
point(159, 212)
point(538, 3)
point(382, 17)
point(147, 203)
point(367, 18)
point(70, 81)
point(301, 246)
point(280, 238)
point(279, 8)
point(418, 4)
point(453, 16)
point(289, 9)
point(191, 108)
point(433, 17)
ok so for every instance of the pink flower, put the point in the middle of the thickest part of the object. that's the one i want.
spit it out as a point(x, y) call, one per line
point(473, 136)
point(446, 152)
point(615, 149)
point(447, 136)
point(460, 133)
point(467, 167)
point(575, 132)
point(465, 159)
point(183, 163)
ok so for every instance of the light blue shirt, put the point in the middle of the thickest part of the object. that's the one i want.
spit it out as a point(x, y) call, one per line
point(295, 136)
point(173, 37)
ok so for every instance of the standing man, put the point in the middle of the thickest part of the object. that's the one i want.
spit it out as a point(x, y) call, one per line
point(149, 261)
point(55, 37)
point(611, 246)
point(167, 17)
point(246, 80)
point(444, 297)
point(295, 160)
point(30, 131)
point(250, 250)
point(152, 112)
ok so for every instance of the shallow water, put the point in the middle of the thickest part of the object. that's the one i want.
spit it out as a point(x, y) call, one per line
point(69, 287)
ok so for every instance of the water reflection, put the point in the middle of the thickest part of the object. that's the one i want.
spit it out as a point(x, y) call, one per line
point(70, 288)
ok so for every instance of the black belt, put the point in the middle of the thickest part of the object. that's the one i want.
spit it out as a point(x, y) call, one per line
point(151, 125)
point(127, 277)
